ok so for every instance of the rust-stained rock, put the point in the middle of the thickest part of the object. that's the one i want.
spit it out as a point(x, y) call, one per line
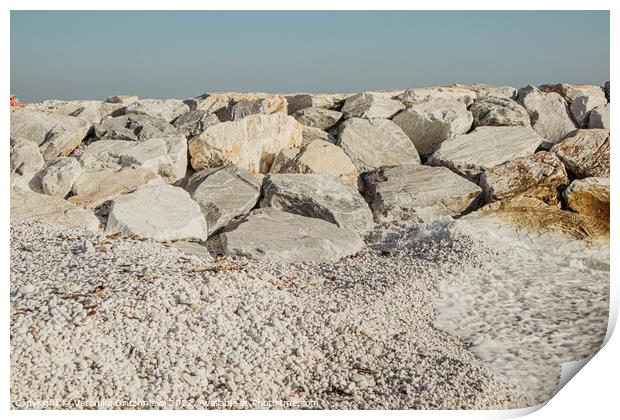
point(585, 152)
point(589, 196)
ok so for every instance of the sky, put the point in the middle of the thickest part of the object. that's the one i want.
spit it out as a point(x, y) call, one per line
point(96, 54)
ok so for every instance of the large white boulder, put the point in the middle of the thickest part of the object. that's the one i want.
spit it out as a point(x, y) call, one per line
point(164, 109)
point(59, 176)
point(318, 117)
point(495, 111)
point(25, 156)
point(160, 212)
point(370, 105)
point(585, 153)
point(90, 111)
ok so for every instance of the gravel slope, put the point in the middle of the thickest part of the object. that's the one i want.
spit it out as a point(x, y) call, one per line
point(102, 319)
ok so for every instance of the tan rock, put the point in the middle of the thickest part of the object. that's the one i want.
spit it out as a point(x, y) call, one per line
point(585, 152)
point(589, 196)
point(250, 143)
point(538, 176)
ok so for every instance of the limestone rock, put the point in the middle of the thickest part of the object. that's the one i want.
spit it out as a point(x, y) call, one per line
point(374, 143)
point(318, 156)
point(538, 176)
point(311, 100)
point(223, 194)
point(56, 135)
point(134, 127)
point(160, 212)
point(495, 111)
point(26, 205)
point(250, 143)
point(237, 110)
point(94, 187)
point(195, 122)
point(549, 114)
point(25, 156)
point(571, 91)
point(90, 111)
point(218, 102)
point(585, 153)
point(599, 117)
point(121, 99)
point(370, 105)
point(318, 195)
point(418, 193)
point(485, 147)
point(310, 134)
point(272, 234)
point(428, 127)
point(581, 107)
point(317, 117)
point(164, 109)
point(589, 196)
point(482, 90)
point(437, 97)
point(193, 248)
point(59, 176)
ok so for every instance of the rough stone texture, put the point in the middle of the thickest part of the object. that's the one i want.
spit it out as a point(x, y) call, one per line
point(310, 134)
point(549, 114)
point(589, 196)
point(25, 156)
point(485, 147)
point(482, 90)
point(134, 127)
point(223, 194)
point(56, 135)
point(496, 111)
point(538, 176)
point(27, 205)
point(121, 99)
point(428, 126)
point(599, 117)
point(195, 122)
point(370, 105)
point(160, 212)
point(585, 153)
point(90, 111)
point(606, 89)
point(272, 234)
point(318, 195)
point(318, 117)
point(438, 96)
point(318, 156)
point(300, 101)
point(95, 187)
point(571, 91)
point(250, 143)
point(59, 176)
point(218, 102)
point(237, 110)
point(374, 143)
point(581, 107)
point(164, 109)
point(417, 193)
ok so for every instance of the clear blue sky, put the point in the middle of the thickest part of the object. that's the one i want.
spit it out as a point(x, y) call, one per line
point(73, 55)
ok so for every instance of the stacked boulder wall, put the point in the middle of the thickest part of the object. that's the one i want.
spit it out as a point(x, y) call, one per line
point(272, 234)
point(374, 143)
point(485, 147)
point(538, 176)
point(589, 196)
point(160, 212)
point(318, 195)
point(417, 193)
point(56, 134)
point(585, 153)
point(223, 194)
point(250, 143)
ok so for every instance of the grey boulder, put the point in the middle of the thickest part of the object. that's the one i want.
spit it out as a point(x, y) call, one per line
point(582, 106)
point(272, 234)
point(223, 194)
point(599, 117)
point(318, 117)
point(417, 193)
point(164, 109)
point(315, 100)
point(192, 123)
point(160, 212)
point(371, 105)
point(496, 111)
point(318, 195)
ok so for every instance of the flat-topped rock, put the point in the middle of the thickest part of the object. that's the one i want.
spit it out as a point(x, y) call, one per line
point(272, 234)
point(59, 176)
point(370, 105)
point(223, 194)
point(90, 111)
point(318, 156)
point(318, 195)
point(315, 100)
point(160, 212)
point(194, 122)
point(589, 196)
point(429, 124)
point(374, 143)
point(538, 176)
point(318, 117)
point(28, 205)
point(250, 143)
point(549, 114)
point(585, 153)
point(485, 147)
point(56, 134)
point(417, 193)
point(599, 117)
point(437, 96)
point(95, 187)
point(164, 109)
point(496, 111)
